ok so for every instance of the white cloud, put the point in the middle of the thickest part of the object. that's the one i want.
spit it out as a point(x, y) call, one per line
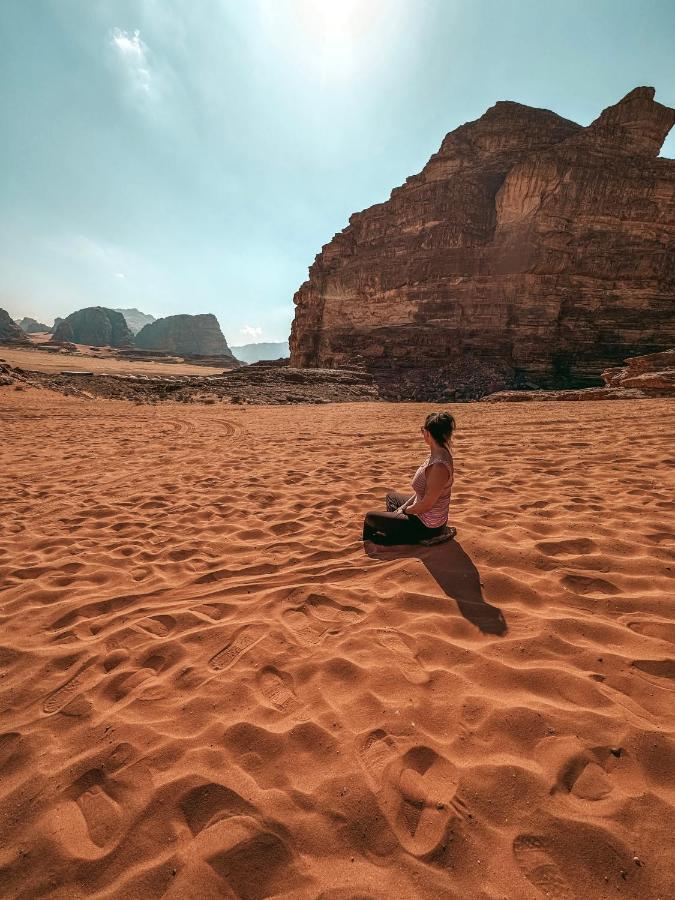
point(251, 332)
point(132, 52)
point(120, 275)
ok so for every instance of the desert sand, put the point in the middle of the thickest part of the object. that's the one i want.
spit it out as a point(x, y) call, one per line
point(105, 361)
point(209, 689)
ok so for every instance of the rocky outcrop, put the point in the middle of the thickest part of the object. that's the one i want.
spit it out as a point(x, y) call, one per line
point(32, 326)
point(94, 325)
point(10, 333)
point(136, 319)
point(528, 251)
point(249, 384)
point(653, 374)
point(186, 336)
point(641, 378)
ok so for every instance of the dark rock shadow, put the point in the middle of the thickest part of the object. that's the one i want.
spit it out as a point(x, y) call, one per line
point(454, 572)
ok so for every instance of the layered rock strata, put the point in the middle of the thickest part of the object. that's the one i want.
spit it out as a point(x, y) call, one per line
point(529, 251)
point(94, 325)
point(641, 378)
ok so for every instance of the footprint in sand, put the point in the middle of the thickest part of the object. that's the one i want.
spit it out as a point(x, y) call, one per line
point(586, 774)
point(215, 611)
point(209, 803)
point(66, 693)
point(248, 637)
point(99, 811)
point(415, 791)
point(283, 528)
point(662, 631)
point(312, 619)
point(160, 626)
point(572, 547)
point(259, 865)
point(275, 686)
point(330, 611)
point(583, 584)
point(656, 671)
point(405, 658)
point(537, 865)
point(120, 686)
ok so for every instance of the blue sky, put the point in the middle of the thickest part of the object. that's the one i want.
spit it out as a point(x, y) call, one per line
point(194, 155)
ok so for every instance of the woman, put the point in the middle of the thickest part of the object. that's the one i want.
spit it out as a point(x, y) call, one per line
point(423, 517)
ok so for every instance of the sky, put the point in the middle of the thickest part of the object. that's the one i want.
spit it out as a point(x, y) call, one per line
point(194, 155)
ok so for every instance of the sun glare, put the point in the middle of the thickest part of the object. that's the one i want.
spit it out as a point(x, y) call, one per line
point(334, 39)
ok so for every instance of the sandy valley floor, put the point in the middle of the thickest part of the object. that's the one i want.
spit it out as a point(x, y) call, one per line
point(208, 689)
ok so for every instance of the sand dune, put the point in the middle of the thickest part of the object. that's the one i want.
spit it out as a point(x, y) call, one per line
point(208, 689)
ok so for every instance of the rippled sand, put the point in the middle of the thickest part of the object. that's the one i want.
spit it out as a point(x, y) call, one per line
point(208, 689)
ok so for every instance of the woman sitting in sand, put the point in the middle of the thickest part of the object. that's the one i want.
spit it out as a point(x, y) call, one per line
point(423, 517)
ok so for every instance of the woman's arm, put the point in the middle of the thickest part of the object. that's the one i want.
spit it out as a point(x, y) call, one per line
point(404, 506)
point(437, 479)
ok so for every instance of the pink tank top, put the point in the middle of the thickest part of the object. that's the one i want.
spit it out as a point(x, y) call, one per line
point(438, 514)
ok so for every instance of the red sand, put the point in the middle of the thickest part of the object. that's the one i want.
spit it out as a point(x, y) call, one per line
point(208, 689)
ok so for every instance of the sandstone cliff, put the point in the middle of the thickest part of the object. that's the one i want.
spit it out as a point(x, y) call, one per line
point(185, 335)
point(529, 250)
point(94, 325)
point(10, 333)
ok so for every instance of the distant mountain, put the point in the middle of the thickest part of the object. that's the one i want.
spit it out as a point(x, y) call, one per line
point(10, 333)
point(31, 326)
point(95, 325)
point(186, 335)
point(136, 319)
point(250, 353)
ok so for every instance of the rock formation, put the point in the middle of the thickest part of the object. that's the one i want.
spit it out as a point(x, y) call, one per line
point(94, 325)
point(529, 251)
point(136, 319)
point(186, 336)
point(654, 374)
point(32, 326)
point(10, 333)
point(642, 378)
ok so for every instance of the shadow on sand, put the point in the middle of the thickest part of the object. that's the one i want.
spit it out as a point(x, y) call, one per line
point(456, 575)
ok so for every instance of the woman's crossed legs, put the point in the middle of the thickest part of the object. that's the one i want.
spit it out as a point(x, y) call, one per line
point(396, 528)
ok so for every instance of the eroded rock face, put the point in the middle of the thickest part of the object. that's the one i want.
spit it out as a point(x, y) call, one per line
point(95, 325)
point(529, 251)
point(641, 378)
point(10, 333)
point(653, 374)
point(185, 335)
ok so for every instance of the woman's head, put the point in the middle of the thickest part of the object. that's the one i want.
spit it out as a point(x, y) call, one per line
point(439, 427)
